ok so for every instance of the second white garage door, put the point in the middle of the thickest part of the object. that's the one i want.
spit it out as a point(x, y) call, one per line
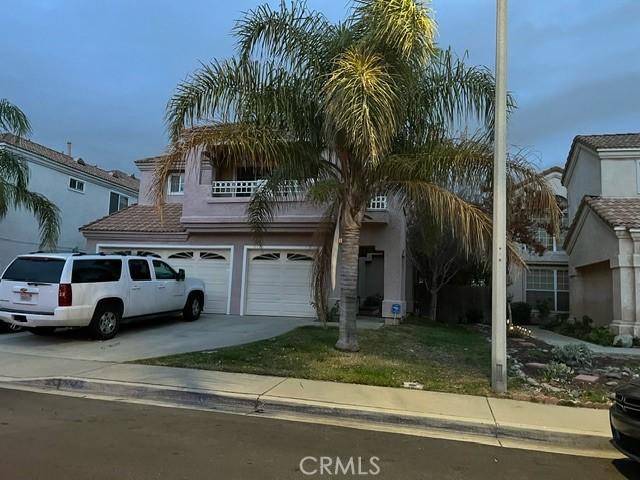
point(278, 282)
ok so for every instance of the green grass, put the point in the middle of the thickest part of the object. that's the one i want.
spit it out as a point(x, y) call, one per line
point(442, 358)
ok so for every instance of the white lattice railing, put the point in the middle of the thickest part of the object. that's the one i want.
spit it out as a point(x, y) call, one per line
point(246, 188)
point(379, 202)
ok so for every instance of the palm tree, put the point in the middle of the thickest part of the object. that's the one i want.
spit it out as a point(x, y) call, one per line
point(14, 180)
point(364, 107)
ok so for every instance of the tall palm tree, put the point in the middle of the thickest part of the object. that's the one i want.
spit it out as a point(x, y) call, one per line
point(14, 180)
point(351, 110)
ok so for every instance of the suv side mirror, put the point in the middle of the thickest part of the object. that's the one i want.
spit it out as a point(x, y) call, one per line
point(181, 275)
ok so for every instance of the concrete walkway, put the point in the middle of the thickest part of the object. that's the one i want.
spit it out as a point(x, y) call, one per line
point(502, 421)
point(555, 339)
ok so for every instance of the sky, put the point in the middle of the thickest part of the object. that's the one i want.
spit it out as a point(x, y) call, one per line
point(99, 73)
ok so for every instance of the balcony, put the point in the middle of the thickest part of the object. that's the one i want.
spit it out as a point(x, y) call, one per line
point(246, 188)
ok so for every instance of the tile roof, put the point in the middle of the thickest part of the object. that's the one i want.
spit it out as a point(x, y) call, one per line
point(615, 140)
point(616, 212)
point(115, 177)
point(149, 160)
point(140, 218)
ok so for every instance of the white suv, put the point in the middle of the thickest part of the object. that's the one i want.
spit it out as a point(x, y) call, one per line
point(44, 291)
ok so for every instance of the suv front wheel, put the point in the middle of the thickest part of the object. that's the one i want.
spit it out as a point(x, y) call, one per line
point(193, 307)
point(105, 322)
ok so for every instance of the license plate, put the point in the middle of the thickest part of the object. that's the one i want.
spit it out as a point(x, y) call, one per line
point(25, 296)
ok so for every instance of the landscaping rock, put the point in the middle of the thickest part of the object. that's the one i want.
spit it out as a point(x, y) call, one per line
point(551, 388)
point(614, 375)
point(625, 374)
point(533, 381)
point(535, 365)
point(528, 344)
point(612, 383)
point(625, 341)
point(413, 385)
point(586, 378)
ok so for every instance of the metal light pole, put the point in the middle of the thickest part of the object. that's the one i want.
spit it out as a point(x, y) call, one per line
point(499, 260)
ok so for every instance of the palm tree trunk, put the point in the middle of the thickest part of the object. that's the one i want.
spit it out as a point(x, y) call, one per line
point(348, 338)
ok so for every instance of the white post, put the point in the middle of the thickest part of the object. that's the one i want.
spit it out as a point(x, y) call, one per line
point(499, 260)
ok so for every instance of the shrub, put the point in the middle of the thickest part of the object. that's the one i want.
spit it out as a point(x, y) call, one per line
point(474, 315)
point(521, 313)
point(557, 371)
point(575, 355)
point(544, 309)
point(601, 336)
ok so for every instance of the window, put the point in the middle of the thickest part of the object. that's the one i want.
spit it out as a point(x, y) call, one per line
point(176, 184)
point(268, 256)
point(139, 270)
point(35, 269)
point(117, 202)
point(181, 255)
point(298, 257)
point(145, 253)
point(547, 285)
point(96, 271)
point(211, 256)
point(164, 271)
point(76, 185)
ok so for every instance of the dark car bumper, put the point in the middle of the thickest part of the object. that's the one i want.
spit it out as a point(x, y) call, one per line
point(626, 432)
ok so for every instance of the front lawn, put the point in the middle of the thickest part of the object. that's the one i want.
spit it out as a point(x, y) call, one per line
point(442, 358)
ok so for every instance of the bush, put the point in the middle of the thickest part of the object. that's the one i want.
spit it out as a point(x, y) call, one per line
point(544, 309)
point(601, 336)
point(558, 372)
point(574, 355)
point(521, 313)
point(582, 329)
point(474, 315)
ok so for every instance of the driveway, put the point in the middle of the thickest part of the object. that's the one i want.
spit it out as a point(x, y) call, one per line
point(152, 338)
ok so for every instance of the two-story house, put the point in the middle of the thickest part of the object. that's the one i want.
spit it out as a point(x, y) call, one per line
point(546, 278)
point(204, 230)
point(81, 191)
point(602, 177)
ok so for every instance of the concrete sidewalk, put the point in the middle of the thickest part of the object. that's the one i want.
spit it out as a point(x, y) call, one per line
point(507, 422)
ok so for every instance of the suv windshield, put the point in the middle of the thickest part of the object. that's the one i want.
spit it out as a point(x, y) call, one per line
point(35, 270)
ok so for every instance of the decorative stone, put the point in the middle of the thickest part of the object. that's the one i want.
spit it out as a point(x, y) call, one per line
point(612, 383)
point(587, 378)
point(624, 341)
point(551, 388)
point(535, 365)
point(528, 344)
point(614, 375)
point(625, 374)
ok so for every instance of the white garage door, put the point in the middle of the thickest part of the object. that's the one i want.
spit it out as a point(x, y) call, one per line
point(210, 266)
point(279, 283)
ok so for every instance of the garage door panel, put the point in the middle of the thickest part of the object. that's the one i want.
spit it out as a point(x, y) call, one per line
point(279, 283)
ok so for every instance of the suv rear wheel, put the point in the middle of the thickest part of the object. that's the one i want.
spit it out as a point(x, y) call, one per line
point(193, 307)
point(105, 322)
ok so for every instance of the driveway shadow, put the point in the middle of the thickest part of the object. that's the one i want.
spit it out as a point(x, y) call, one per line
point(627, 468)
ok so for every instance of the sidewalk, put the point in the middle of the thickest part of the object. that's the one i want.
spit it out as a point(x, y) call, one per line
point(507, 422)
point(555, 339)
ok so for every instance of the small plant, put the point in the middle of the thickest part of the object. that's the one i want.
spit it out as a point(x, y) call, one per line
point(601, 336)
point(573, 355)
point(334, 312)
point(521, 313)
point(544, 309)
point(558, 372)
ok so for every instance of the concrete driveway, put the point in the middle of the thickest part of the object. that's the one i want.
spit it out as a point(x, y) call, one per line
point(152, 338)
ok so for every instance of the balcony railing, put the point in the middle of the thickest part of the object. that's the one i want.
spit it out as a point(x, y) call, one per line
point(246, 188)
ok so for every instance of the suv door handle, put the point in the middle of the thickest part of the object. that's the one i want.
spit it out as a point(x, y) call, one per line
point(135, 287)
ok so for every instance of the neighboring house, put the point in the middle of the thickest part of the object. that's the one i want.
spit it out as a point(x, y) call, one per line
point(204, 230)
point(82, 192)
point(546, 278)
point(602, 176)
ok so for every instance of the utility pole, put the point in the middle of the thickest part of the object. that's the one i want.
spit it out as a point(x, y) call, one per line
point(499, 255)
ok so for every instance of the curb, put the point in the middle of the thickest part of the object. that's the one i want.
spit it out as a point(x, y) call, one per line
point(272, 406)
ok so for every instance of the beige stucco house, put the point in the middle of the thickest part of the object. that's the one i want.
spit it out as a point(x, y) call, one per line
point(602, 178)
point(546, 278)
point(205, 231)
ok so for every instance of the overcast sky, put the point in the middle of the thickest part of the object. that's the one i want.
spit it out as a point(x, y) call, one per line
point(99, 73)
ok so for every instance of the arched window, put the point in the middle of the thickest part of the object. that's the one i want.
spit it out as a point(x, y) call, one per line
point(299, 257)
point(181, 255)
point(268, 256)
point(211, 256)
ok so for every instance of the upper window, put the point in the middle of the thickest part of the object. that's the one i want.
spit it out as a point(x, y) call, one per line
point(35, 269)
point(181, 255)
point(117, 202)
point(96, 271)
point(176, 184)
point(268, 256)
point(76, 185)
point(164, 271)
point(139, 270)
point(299, 257)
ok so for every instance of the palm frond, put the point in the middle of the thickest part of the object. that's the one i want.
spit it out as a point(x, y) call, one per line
point(403, 28)
point(12, 119)
point(361, 103)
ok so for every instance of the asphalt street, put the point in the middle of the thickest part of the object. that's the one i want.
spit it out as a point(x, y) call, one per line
point(56, 437)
